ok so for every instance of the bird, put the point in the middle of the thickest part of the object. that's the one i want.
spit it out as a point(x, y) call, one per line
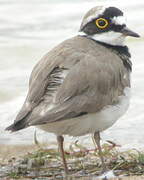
point(82, 86)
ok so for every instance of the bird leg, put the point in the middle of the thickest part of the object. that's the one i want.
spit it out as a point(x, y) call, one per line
point(60, 141)
point(97, 141)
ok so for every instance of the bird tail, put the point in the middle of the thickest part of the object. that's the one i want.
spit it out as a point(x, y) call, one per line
point(16, 126)
point(11, 128)
point(19, 124)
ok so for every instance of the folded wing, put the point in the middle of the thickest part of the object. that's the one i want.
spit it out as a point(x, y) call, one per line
point(66, 84)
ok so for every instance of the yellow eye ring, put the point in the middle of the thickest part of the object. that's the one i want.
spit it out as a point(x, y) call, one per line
point(101, 23)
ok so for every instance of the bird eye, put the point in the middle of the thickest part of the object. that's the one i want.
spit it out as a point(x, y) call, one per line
point(101, 23)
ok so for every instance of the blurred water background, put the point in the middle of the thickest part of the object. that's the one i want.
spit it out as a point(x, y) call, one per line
point(30, 28)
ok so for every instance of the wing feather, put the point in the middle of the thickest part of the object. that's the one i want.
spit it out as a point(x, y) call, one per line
point(77, 77)
point(88, 87)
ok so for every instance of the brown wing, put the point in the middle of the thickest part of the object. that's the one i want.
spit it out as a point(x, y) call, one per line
point(77, 77)
point(89, 86)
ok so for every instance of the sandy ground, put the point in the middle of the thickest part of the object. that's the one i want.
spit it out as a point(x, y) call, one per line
point(8, 152)
point(86, 178)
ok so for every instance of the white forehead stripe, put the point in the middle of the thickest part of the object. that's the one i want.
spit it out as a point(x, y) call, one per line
point(99, 11)
point(119, 20)
point(96, 14)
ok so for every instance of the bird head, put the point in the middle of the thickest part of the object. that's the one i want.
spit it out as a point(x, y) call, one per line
point(107, 25)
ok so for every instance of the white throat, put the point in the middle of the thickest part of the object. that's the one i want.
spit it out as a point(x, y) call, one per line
point(111, 37)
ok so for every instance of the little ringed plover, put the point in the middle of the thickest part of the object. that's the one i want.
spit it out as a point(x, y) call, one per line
point(82, 86)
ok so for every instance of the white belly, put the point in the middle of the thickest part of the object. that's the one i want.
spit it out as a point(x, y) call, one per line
point(90, 123)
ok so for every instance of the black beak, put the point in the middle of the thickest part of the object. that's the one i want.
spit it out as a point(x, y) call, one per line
point(127, 32)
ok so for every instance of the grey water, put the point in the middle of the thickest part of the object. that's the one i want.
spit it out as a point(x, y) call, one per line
point(29, 29)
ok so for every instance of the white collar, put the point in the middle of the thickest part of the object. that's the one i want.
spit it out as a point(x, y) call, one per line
point(111, 37)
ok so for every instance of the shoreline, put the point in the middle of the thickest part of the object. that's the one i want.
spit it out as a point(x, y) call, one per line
point(38, 162)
